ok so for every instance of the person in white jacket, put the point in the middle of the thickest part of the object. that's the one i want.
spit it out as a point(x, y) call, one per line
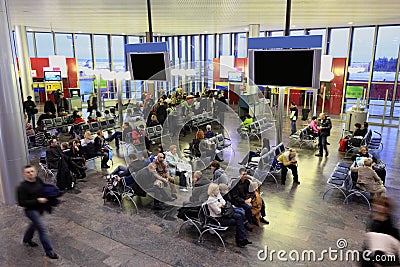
point(215, 202)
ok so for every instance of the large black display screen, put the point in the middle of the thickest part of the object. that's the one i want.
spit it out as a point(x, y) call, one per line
point(284, 68)
point(148, 66)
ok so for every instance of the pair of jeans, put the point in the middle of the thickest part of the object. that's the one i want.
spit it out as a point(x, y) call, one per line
point(117, 136)
point(238, 220)
point(294, 172)
point(38, 225)
point(293, 126)
point(31, 117)
point(247, 211)
point(322, 140)
point(119, 169)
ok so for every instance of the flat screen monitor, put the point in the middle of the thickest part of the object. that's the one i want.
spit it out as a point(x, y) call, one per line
point(52, 76)
point(149, 66)
point(234, 76)
point(286, 67)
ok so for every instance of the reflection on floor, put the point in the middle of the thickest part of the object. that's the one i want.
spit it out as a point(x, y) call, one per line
point(84, 232)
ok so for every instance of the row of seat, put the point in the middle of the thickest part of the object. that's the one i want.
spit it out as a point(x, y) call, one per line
point(341, 180)
point(256, 128)
point(58, 122)
point(267, 164)
point(372, 140)
point(106, 124)
point(303, 137)
point(202, 119)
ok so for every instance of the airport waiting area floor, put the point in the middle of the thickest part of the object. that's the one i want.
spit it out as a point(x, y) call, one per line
point(85, 232)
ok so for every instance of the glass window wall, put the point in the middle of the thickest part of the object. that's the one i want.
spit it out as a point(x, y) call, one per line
point(386, 55)
point(360, 59)
point(64, 45)
point(83, 52)
point(225, 45)
point(241, 41)
point(31, 45)
point(118, 54)
point(44, 44)
point(338, 42)
point(101, 52)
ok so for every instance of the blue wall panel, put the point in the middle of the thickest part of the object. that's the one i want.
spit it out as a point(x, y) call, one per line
point(286, 42)
point(146, 47)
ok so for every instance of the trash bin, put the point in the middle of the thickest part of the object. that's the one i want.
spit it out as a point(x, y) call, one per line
point(355, 114)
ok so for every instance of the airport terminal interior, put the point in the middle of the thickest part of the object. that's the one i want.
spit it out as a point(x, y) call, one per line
point(97, 97)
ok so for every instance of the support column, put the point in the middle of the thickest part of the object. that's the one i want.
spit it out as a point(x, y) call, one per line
point(24, 62)
point(281, 110)
point(13, 145)
point(120, 103)
point(315, 102)
point(254, 30)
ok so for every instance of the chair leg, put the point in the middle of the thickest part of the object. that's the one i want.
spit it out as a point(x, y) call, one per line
point(332, 188)
point(219, 236)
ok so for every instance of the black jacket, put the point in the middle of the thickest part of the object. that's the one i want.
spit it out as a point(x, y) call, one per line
point(240, 192)
point(49, 107)
point(326, 125)
point(28, 193)
point(53, 157)
point(29, 105)
point(62, 103)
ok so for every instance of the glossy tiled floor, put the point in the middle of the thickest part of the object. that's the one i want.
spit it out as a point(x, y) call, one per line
point(84, 232)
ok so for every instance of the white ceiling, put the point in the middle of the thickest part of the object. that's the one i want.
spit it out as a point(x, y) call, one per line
point(196, 16)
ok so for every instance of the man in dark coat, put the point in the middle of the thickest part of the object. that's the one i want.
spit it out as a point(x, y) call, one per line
point(30, 197)
point(62, 104)
point(30, 109)
point(324, 126)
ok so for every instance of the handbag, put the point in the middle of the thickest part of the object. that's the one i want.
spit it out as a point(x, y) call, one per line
point(227, 210)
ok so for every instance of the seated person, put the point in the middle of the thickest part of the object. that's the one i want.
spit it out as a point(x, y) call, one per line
point(41, 136)
point(219, 175)
point(215, 202)
point(172, 159)
point(256, 153)
point(289, 161)
point(77, 158)
point(102, 149)
point(209, 134)
point(90, 119)
point(153, 121)
point(241, 194)
point(368, 180)
point(126, 173)
point(161, 174)
point(356, 138)
point(87, 138)
point(118, 135)
point(365, 129)
point(313, 126)
point(54, 154)
point(45, 116)
point(244, 126)
point(98, 116)
point(201, 148)
point(363, 153)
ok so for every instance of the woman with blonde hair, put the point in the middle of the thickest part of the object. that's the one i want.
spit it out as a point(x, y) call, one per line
point(215, 202)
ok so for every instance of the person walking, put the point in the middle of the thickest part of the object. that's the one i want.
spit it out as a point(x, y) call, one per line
point(324, 127)
point(29, 196)
point(30, 109)
point(294, 114)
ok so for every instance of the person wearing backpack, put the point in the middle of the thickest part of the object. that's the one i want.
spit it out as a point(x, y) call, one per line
point(30, 196)
point(294, 114)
